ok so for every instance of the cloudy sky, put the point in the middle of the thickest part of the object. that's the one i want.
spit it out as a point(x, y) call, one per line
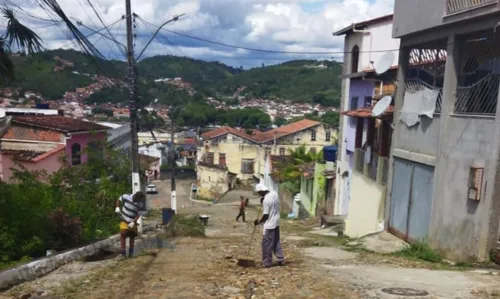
point(284, 25)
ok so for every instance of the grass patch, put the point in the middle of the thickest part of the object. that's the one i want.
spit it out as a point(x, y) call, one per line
point(420, 251)
point(183, 225)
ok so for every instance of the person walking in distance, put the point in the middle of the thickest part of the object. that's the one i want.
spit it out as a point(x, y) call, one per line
point(129, 214)
point(243, 207)
point(271, 234)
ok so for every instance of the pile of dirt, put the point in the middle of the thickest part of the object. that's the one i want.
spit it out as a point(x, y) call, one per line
point(183, 225)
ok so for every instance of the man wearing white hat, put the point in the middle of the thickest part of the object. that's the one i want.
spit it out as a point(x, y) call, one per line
point(271, 233)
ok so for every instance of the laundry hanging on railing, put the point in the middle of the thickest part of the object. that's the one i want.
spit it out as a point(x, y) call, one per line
point(421, 102)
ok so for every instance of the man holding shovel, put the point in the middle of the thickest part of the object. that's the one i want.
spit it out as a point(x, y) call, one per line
point(129, 214)
point(271, 233)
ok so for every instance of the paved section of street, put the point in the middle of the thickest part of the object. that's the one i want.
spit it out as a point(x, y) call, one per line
point(317, 267)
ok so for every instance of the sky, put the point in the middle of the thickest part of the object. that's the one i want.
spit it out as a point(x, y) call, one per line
point(283, 25)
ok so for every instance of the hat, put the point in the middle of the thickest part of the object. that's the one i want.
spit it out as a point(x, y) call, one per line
point(261, 188)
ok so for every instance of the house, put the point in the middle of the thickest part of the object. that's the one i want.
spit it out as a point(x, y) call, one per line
point(444, 162)
point(45, 142)
point(363, 157)
point(244, 153)
point(151, 166)
point(213, 180)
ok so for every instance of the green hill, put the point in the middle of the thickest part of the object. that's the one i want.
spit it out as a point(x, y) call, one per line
point(299, 80)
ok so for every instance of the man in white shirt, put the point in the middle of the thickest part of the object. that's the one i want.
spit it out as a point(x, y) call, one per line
point(271, 233)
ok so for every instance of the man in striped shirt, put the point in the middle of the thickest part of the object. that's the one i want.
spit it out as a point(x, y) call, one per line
point(129, 214)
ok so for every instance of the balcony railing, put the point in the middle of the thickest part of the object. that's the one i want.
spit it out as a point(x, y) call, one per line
point(456, 6)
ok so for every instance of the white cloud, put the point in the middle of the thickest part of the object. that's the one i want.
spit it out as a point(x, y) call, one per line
point(292, 25)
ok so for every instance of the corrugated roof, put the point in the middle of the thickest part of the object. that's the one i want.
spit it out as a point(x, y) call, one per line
point(286, 130)
point(58, 123)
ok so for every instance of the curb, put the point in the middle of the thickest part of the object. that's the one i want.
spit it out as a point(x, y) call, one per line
point(35, 269)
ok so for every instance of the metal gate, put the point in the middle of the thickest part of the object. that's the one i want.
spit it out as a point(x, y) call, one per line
point(411, 200)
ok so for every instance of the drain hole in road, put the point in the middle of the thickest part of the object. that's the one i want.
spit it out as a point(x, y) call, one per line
point(405, 292)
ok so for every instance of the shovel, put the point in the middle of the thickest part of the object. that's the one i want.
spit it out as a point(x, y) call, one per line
point(247, 262)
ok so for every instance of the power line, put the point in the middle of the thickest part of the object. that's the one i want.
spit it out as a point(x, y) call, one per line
point(102, 22)
point(264, 50)
point(92, 33)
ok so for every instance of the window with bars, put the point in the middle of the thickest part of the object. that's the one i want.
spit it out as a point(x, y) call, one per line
point(426, 66)
point(328, 136)
point(247, 166)
point(282, 151)
point(313, 135)
point(222, 159)
point(76, 154)
point(313, 150)
point(479, 74)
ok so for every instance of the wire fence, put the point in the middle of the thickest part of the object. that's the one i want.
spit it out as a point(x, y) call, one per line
point(478, 79)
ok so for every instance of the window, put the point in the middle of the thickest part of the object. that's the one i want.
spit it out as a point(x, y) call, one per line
point(368, 101)
point(222, 159)
point(328, 136)
point(210, 158)
point(353, 105)
point(354, 59)
point(313, 150)
point(76, 154)
point(282, 151)
point(247, 166)
point(313, 135)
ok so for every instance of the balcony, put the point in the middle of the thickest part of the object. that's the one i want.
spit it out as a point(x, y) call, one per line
point(458, 6)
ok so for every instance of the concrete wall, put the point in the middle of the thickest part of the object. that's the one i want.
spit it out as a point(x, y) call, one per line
point(412, 16)
point(319, 187)
point(306, 193)
point(458, 224)
point(366, 207)
point(50, 165)
point(212, 182)
point(422, 138)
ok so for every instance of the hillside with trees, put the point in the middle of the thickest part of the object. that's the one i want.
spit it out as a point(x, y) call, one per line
point(307, 81)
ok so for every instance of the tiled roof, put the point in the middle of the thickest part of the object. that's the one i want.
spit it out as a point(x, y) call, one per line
point(286, 130)
point(226, 130)
point(58, 123)
point(367, 112)
point(189, 141)
point(32, 156)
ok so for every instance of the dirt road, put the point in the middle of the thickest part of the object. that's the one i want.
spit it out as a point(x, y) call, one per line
point(206, 267)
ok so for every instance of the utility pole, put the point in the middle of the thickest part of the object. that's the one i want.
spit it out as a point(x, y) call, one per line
point(136, 179)
point(173, 195)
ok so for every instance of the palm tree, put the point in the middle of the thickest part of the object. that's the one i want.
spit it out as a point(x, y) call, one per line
point(27, 40)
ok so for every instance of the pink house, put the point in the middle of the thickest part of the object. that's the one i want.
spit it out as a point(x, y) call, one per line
point(43, 142)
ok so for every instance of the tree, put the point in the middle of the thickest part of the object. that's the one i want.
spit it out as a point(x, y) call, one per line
point(331, 118)
point(279, 121)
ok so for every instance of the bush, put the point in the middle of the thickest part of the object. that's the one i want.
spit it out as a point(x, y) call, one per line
point(72, 207)
point(420, 251)
point(185, 226)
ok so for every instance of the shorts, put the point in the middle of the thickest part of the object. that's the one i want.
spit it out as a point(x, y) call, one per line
point(127, 231)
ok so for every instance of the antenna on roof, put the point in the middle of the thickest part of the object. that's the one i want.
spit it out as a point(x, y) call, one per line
point(384, 63)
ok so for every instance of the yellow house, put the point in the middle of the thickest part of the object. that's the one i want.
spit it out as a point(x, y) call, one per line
point(244, 154)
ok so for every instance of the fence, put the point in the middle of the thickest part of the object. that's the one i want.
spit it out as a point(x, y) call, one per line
point(455, 6)
point(478, 80)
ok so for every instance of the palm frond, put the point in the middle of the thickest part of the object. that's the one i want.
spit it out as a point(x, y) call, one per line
point(6, 64)
point(20, 35)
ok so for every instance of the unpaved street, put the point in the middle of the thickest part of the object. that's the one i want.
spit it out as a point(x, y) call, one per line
point(317, 267)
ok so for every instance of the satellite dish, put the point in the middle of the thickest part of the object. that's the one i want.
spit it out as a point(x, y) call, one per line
point(381, 106)
point(384, 63)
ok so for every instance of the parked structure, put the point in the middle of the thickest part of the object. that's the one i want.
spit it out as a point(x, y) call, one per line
point(42, 142)
point(364, 151)
point(444, 174)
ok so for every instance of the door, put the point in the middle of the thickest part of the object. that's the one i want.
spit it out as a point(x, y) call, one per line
point(411, 200)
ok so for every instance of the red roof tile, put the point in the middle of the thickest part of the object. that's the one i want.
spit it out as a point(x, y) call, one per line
point(286, 130)
point(366, 112)
point(226, 130)
point(32, 156)
point(58, 123)
point(189, 141)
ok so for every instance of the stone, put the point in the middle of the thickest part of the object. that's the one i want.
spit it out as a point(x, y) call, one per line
point(229, 290)
point(25, 296)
